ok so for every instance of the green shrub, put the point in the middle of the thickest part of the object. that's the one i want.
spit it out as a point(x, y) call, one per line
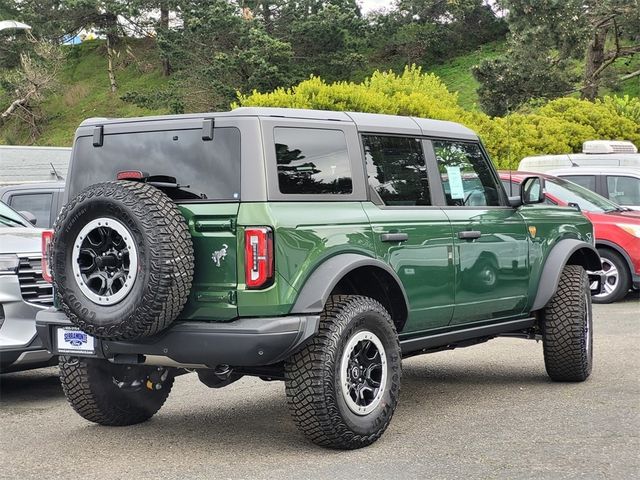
point(559, 126)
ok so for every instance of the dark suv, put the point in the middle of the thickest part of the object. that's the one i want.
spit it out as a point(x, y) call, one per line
point(318, 248)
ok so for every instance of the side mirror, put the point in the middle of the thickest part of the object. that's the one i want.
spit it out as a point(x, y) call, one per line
point(29, 216)
point(531, 190)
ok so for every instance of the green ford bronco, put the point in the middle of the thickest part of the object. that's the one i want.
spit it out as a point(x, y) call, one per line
point(318, 248)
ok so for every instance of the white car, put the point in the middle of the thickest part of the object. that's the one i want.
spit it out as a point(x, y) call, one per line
point(619, 184)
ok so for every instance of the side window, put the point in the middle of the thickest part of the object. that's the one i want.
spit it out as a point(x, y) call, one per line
point(467, 177)
point(37, 203)
point(512, 188)
point(397, 170)
point(312, 161)
point(624, 190)
point(586, 181)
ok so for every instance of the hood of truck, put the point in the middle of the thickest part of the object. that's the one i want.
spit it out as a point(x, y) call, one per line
point(20, 240)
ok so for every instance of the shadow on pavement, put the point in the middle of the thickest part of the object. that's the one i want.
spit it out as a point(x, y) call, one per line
point(29, 386)
point(251, 417)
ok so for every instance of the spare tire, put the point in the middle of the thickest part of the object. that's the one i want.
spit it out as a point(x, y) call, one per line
point(122, 260)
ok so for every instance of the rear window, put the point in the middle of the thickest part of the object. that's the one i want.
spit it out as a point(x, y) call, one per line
point(210, 169)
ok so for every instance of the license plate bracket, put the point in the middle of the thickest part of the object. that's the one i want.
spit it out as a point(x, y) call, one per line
point(73, 341)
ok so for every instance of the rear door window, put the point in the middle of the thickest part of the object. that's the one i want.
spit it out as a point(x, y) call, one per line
point(624, 190)
point(208, 169)
point(396, 169)
point(312, 161)
point(39, 204)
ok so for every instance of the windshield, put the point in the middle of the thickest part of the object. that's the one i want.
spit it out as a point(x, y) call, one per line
point(587, 200)
point(11, 218)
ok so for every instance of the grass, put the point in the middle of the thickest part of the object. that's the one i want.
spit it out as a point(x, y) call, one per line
point(84, 91)
point(456, 73)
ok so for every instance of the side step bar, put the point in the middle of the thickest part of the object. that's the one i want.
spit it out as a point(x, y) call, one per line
point(450, 338)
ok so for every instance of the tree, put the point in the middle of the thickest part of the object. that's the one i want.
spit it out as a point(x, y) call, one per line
point(219, 50)
point(429, 31)
point(548, 38)
point(28, 84)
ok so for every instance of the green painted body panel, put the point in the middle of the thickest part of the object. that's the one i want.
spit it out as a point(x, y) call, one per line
point(448, 281)
point(492, 272)
point(213, 228)
point(424, 263)
point(306, 234)
point(552, 224)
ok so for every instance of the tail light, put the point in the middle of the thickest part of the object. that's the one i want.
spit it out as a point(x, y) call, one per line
point(47, 238)
point(258, 257)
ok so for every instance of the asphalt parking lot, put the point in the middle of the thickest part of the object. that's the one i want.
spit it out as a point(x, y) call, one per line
point(482, 412)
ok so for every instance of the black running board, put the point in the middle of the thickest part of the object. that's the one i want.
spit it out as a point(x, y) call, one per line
point(451, 338)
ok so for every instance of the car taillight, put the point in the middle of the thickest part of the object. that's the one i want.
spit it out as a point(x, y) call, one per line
point(47, 238)
point(258, 256)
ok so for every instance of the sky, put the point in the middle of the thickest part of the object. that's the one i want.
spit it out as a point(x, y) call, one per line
point(368, 5)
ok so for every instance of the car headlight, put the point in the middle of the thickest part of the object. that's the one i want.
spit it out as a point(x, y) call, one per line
point(631, 229)
point(9, 264)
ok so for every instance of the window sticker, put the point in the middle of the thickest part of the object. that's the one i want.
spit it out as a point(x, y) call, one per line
point(455, 182)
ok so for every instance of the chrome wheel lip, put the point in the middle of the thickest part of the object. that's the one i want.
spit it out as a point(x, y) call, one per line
point(127, 237)
point(362, 336)
point(611, 272)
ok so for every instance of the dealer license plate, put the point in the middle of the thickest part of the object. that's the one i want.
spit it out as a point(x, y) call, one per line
point(75, 341)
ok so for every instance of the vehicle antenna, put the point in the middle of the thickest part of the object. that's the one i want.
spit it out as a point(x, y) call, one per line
point(55, 172)
point(509, 150)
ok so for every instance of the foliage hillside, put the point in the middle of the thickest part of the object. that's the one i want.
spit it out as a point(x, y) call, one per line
point(559, 126)
point(448, 93)
point(83, 91)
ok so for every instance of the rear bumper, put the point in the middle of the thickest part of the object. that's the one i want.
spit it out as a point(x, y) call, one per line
point(242, 343)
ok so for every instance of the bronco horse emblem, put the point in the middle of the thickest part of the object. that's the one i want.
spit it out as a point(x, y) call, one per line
point(219, 255)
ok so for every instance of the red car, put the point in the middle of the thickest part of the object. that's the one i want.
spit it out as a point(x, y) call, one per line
point(616, 228)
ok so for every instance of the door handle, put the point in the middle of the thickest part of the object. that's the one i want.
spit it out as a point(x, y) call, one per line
point(394, 237)
point(469, 234)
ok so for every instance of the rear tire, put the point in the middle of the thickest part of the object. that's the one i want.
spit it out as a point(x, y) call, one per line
point(90, 387)
point(343, 387)
point(567, 328)
point(618, 277)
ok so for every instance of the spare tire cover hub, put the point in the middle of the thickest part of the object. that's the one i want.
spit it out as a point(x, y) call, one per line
point(105, 261)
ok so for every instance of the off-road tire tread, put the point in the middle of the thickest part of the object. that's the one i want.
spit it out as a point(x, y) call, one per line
point(92, 396)
point(309, 377)
point(170, 250)
point(565, 356)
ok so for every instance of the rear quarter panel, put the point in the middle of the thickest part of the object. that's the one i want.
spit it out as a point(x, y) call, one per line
point(305, 235)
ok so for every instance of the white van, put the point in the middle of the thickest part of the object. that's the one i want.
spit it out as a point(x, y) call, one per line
point(595, 153)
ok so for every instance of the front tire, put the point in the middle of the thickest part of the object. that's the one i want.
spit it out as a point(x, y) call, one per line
point(343, 387)
point(111, 394)
point(567, 328)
